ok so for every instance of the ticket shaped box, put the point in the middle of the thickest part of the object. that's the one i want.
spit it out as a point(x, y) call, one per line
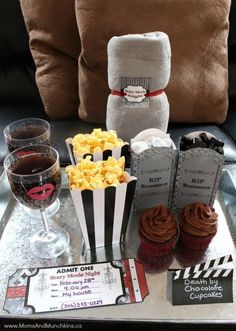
point(198, 176)
point(155, 172)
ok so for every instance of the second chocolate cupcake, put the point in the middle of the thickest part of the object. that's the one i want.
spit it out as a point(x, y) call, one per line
point(158, 230)
point(198, 225)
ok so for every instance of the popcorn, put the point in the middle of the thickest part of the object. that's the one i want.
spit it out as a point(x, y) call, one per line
point(90, 175)
point(97, 141)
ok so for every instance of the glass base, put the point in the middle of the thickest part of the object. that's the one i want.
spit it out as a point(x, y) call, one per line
point(51, 210)
point(51, 244)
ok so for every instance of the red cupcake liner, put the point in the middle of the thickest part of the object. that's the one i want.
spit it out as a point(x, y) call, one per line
point(152, 263)
point(157, 249)
point(195, 242)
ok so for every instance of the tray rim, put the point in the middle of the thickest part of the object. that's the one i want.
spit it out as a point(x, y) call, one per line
point(159, 321)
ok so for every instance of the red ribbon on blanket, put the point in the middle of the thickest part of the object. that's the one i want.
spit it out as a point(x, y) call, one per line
point(149, 94)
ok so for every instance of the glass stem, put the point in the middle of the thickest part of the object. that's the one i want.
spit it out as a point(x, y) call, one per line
point(45, 220)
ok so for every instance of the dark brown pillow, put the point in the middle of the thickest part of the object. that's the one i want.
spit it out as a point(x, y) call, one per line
point(55, 46)
point(198, 32)
point(232, 52)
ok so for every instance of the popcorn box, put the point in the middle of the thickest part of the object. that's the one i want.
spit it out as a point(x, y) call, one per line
point(116, 152)
point(155, 170)
point(198, 174)
point(103, 214)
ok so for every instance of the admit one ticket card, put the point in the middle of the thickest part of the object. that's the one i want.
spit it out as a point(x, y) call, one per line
point(37, 290)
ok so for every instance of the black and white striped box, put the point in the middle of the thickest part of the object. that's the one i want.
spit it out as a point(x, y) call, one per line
point(103, 214)
point(116, 152)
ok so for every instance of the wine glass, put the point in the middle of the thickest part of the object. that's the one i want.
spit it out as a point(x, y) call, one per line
point(30, 131)
point(34, 176)
point(27, 131)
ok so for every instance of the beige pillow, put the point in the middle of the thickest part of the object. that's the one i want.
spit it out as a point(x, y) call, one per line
point(55, 46)
point(198, 30)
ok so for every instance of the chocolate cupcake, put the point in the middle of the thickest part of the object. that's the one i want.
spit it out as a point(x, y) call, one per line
point(198, 225)
point(158, 230)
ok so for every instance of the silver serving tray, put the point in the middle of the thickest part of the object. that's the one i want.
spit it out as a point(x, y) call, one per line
point(16, 228)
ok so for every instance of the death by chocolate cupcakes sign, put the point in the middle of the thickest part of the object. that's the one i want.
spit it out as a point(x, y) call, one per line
point(202, 283)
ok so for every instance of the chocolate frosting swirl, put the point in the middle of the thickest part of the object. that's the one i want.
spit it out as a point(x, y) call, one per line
point(157, 224)
point(198, 219)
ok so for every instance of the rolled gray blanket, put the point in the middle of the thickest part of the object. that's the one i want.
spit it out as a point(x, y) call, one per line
point(138, 71)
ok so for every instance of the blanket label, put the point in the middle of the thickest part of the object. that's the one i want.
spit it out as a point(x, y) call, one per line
point(135, 90)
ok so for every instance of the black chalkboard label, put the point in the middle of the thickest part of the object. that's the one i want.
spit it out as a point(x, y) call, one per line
point(215, 287)
point(201, 284)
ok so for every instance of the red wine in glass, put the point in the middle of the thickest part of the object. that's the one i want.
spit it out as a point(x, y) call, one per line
point(34, 176)
point(39, 191)
point(30, 131)
point(27, 131)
